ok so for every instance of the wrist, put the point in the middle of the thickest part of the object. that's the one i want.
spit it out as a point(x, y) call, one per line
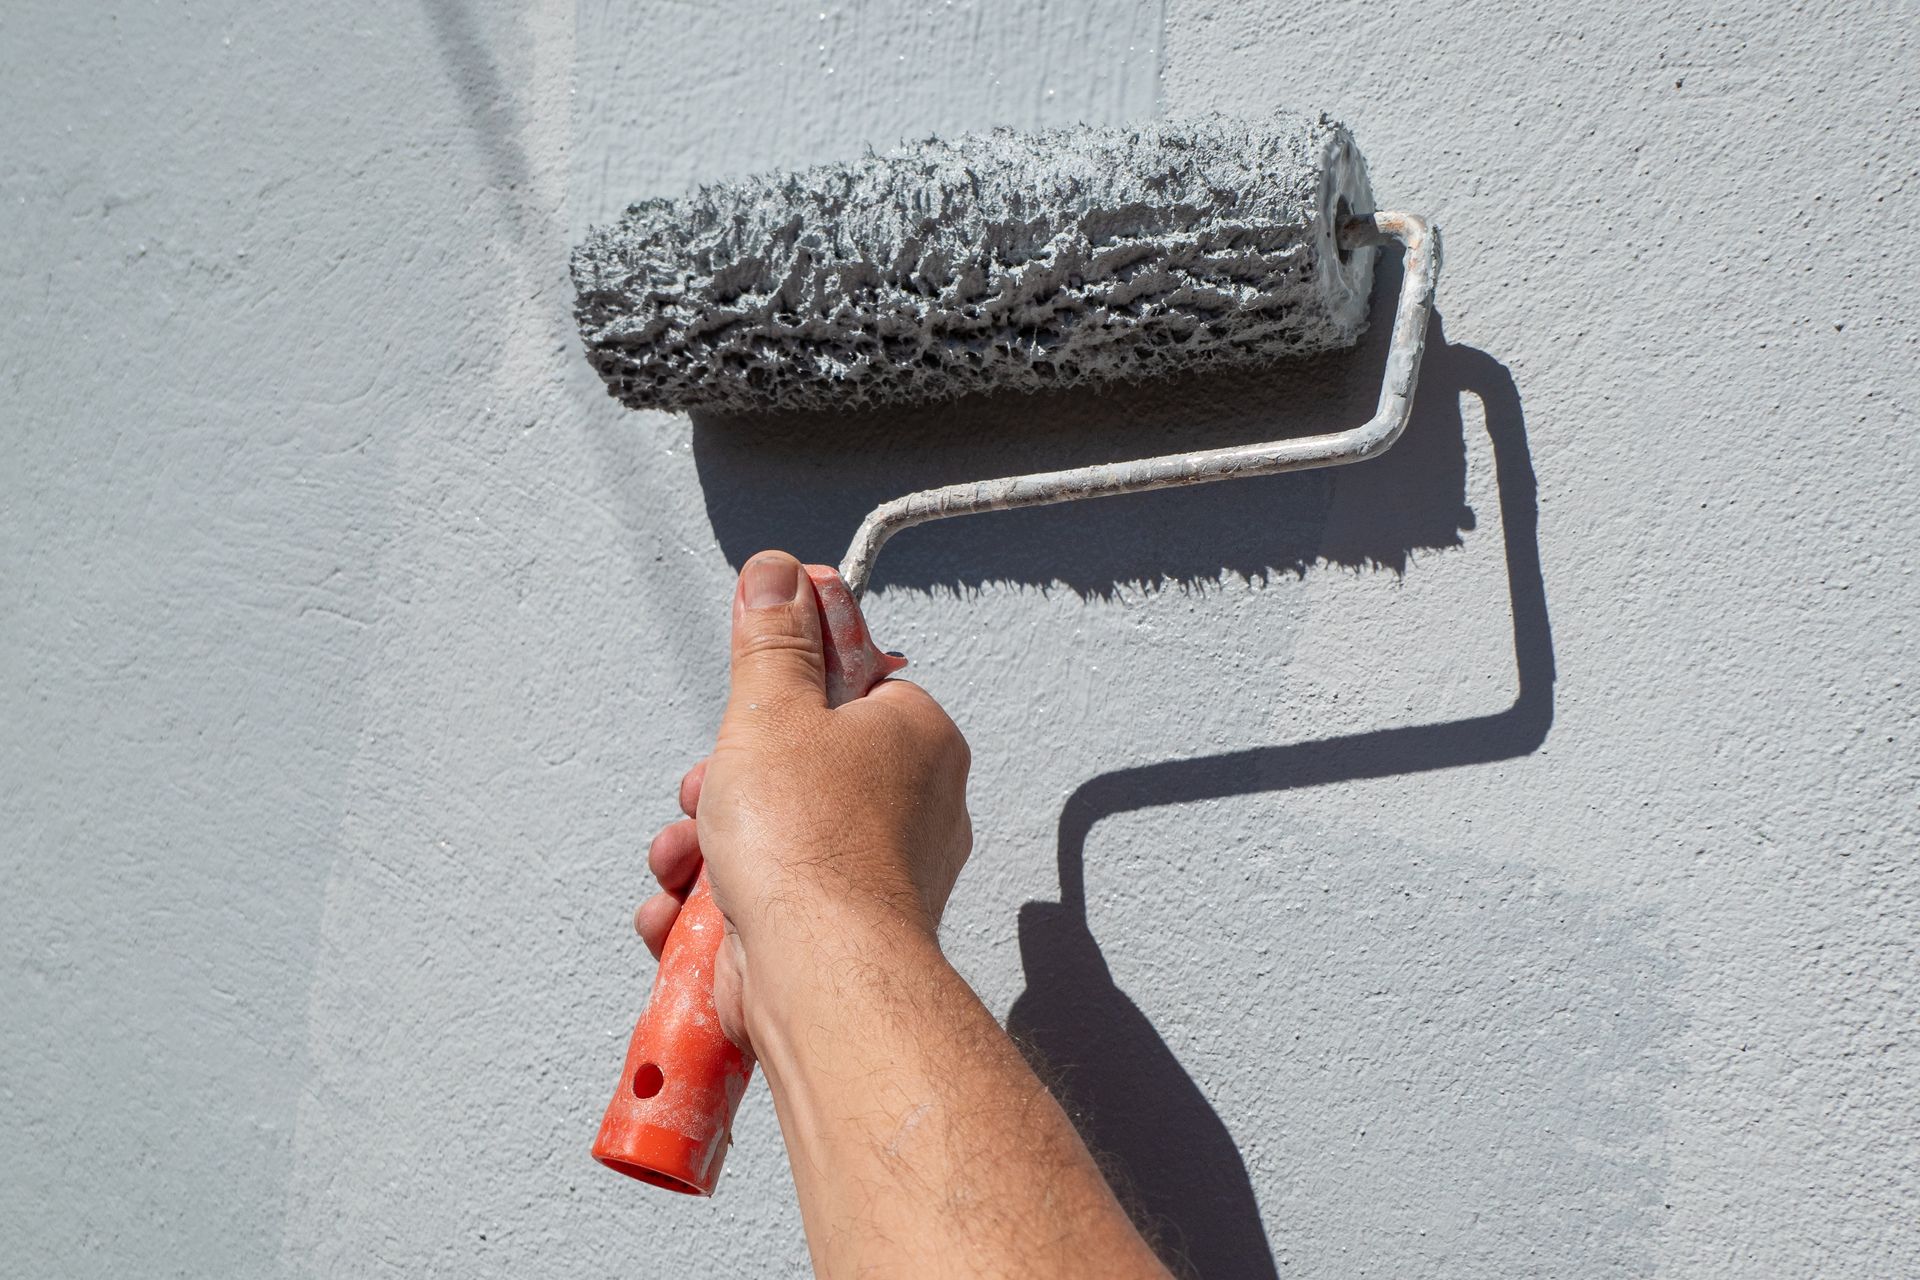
point(797, 916)
point(828, 968)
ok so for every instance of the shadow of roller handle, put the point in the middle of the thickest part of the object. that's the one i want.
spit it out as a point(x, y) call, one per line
point(671, 1118)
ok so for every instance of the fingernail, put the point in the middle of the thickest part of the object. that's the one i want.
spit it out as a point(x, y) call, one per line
point(768, 581)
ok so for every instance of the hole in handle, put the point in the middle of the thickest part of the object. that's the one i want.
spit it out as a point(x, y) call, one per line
point(647, 1081)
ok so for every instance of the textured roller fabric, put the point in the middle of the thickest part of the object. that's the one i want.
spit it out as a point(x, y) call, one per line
point(991, 261)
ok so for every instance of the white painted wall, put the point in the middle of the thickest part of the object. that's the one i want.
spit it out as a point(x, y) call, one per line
point(1498, 860)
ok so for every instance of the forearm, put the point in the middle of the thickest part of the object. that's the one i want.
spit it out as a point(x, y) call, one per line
point(922, 1144)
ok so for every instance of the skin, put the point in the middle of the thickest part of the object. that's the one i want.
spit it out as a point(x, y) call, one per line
point(922, 1145)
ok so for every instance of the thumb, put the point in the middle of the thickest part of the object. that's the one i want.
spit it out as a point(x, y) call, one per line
point(777, 655)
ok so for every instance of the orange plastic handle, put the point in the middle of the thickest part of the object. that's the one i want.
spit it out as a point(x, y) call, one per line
point(671, 1119)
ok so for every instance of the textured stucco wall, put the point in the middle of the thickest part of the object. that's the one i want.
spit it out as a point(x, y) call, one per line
point(1498, 860)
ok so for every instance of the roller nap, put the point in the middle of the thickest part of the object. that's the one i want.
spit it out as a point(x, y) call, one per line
point(992, 261)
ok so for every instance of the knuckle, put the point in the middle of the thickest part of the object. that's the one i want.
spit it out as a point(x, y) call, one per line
point(781, 653)
point(782, 639)
point(950, 743)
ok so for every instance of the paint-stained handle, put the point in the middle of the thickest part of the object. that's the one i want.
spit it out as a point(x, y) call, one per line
point(671, 1118)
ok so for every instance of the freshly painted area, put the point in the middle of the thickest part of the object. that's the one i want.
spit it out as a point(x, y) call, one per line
point(1497, 858)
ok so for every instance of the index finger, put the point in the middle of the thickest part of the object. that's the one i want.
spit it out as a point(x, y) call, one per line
point(690, 789)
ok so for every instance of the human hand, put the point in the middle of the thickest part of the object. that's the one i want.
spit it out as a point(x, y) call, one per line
point(812, 823)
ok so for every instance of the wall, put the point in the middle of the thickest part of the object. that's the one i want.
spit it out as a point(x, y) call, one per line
point(1495, 860)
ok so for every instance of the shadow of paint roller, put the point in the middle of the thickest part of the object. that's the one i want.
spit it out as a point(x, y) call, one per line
point(1179, 245)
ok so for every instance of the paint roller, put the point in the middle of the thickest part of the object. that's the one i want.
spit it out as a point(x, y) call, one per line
point(999, 261)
